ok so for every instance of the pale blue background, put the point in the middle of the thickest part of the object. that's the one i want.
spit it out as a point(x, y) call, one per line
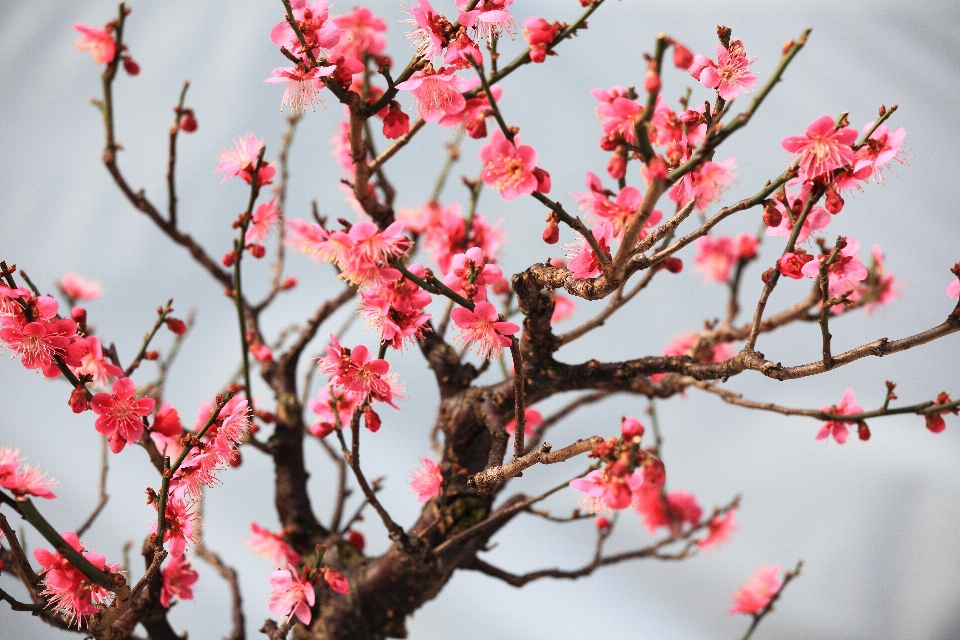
point(876, 523)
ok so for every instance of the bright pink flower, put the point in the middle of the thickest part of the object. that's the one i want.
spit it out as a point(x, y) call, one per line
point(178, 580)
point(180, 519)
point(584, 264)
point(487, 18)
point(462, 53)
point(291, 594)
point(265, 218)
point(29, 481)
point(331, 398)
point(791, 264)
point(98, 42)
point(242, 161)
point(823, 149)
point(9, 297)
point(76, 288)
point(719, 530)
point(318, 31)
point(880, 150)
point(167, 430)
point(620, 212)
point(619, 117)
point(271, 546)
point(482, 328)
point(121, 414)
point(470, 274)
point(356, 371)
point(336, 580)
point(838, 428)
point(9, 462)
point(312, 239)
point(395, 122)
point(531, 420)
point(508, 166)
point(562, 307)
point(705, 184)
point(604, 491)
point(44, 339)
point(92, 362)
point(432, 30)
point(395, 309)
point(680, 508)
point(753, 596)
point(845, 271)
point(539, 34)
point(953, 289)
point(427, 480)
point(71, 592)
point(715, 257)
point(360, 34)
point(303, 85)
point(730, 75)
point(437, 92)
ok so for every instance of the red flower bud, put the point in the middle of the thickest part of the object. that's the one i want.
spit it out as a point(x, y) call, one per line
point(130, 66)
point(631, 428)
point(834, 203)
point(79, 315)
point(935, 422)
point(655, 474)
point(229, 259)
point(602, 523)
point(256, 250)
point(356, 539)
point(188, 122)
point(682, 57)
point(370, 419)
point(651, 83)
point(771, 215)
point(78, 400)
point(288, 283)
point(552, 233)
point(151, 355)
point(176, 325)
point(692, 118)
point(673, 265)
point(765, 277)
point(863, 431)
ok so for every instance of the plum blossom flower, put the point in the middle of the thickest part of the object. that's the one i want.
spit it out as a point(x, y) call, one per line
point(427, 480)
point(753, 596)
point(509, 166)
point(470, 274)
point(705, 184)
point(432, 31)
point(92, 362)
point(242, 161)
point(265, 218)
point(178, 580)
point(22, 482)
point(437, 91)
point(487, 18)
point(76, 288)
point(319, 32)
point(679, 506)
point(357, 372)
point(838, 428)
point(303, 85)
point(844, 273)
point(953, 289)
point(618, 212)
point(180, 519)
point(585, 264)
point(98, 42)
point(120, 414)
point(880, 149)
point(823, 148)
point(562, 307)
point(271, 546)
point(291, 594)
point(70, 591)
point(730, 75)
point(360, 33)
point(41, 341)
point(539, 34)
point(482, 327)
point(531, 420)
point(817, 218)
point(719, 529)
point(334, 407)
point(604, 490)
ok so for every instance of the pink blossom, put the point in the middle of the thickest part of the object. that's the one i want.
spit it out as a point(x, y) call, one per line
point(271, 546)
point(9, 298)
point(823, 149)
point(680, 507)
point(396, 309)
point(483, 328)
point(69, 590)
point(432, 30)
point(470, 274)
point(730, 75)
point(953, 289)
point(242, 161)
point(178, 580)
point(604, 490)
point(303, 85)
point(427, 480)
point(265, 218)
point(838, 428)
point(618, 115)
point(356, 371)
point(43, 340)
point(817, 218)
point(332, 399)
point(167, 430)
point(475, 110)
point(76, 288)
point(121, 414)
point(360, 34)
point(584, 264)
point(336, 580)
point(180, 520)
point(508, 166)
point(880, 149)
point(562, 307)
point(753, 596)
point(487, 18)
point(681, 345)
point(845, 271)
point(531, 420)
point(98, 42)
point(29, 481)
point(318, 31)
point(437, 92)
point(92, 362)
point(715, 257)
point(291, 594)
point(539, 34)
point(719, 530)
point(620, 212)
point(705, 184)
point(462, 52)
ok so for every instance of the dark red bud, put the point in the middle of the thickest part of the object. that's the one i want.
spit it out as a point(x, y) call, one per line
point(79, 315)
point(552, 233)
point(682, 57)
point(78, 400)
point(130, 66)
point(229, 259)
point(771, 215)
point(289, 283)
point(673, 265)
point(188, 122)
point(176, 325)
point(257, 250)
point(834, 203)
point(370, 419)
point(151, 355)
point(863, 431)
point(767, 275)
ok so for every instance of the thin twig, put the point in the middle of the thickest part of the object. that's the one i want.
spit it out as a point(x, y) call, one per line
point(103, 496)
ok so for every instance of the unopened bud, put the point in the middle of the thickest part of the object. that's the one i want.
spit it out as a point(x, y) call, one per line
point(551, 234)
point(370, 419)
point(78, 400)
point(863, 431)
point(673, 265)
point(787, 46)
point(79, 315)
point(130, 66)
point(176, 325)
point(834, 203)
point(767, 275)
point(682, 57)
point(188, 122)
point(151, 355)
point(229, 259)
point(256, 250)
point(771, 215)
point(651, 83)
point(692, 118)
point(288, 283)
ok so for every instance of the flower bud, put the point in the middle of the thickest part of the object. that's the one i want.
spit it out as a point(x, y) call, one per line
point(130, 66)
point(229, 259)
point(288, 283)
point(370, 419)
point(151, 355)
point(655, 474)
point(552, 233)
point(651, 83)
point(602, 523)
point(79, 315)
point(188, 122)
point(682, 57)
point(256, 250)
point(863, 431)
point(765, 277)
point(834, 203)
point(78, 400)
point(179, 327)
point(356, 539)
point(692, 118)
point(771, 215)
point(631, 428)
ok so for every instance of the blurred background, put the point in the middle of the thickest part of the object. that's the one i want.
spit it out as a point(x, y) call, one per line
point(876, 523)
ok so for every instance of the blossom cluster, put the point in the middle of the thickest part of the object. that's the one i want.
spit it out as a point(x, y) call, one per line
point(68, 589)
point(25, 481)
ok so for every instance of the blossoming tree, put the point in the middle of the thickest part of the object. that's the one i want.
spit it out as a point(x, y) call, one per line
point(426, 280)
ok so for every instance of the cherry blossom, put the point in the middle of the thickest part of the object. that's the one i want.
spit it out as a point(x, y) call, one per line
point(178, 580)
point(817, 218)
point(488, 18)
point(531, 420)
point(880, 285)
point(303, 85)
point(844, 272)
point(879, 150)
point(509, 166)
point(98, 42)
point(427, 480)
point(716, 255)
point(121, 414)
point(432, 31)
point(271, 546)
point(462, 52)
point(753, 596)
point(242, 160)
point(483, 329)
point(585, 264)
point(838, 428)
point(291, 594)
point(730, 75)
point(69, 590)
point(719, 529)
point(604, 490)
point(823, 149)
point(437, 91)
point(395, 122)
point(9, 298)
point(76, 288)
point(319, 33)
